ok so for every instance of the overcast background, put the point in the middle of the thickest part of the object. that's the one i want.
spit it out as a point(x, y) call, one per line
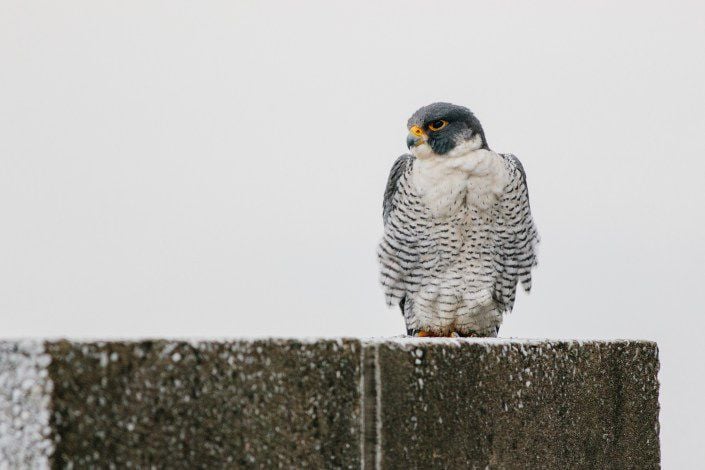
point(216, 168)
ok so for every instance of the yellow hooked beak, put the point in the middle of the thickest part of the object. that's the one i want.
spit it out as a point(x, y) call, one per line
point(416, 137)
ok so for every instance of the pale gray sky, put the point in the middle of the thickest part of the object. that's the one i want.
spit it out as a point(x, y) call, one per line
point(216, 168)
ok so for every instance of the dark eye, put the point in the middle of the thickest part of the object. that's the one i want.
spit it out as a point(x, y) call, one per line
point(438, 125)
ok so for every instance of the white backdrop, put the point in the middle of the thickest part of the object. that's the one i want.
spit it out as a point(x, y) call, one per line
point(216, 168)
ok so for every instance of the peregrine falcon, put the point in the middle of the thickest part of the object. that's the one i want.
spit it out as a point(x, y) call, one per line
point(458, 231)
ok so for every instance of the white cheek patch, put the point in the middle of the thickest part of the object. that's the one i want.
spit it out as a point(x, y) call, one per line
point(465, 147)
point(423, 151)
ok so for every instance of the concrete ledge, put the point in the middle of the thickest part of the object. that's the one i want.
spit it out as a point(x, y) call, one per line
point(388, 403)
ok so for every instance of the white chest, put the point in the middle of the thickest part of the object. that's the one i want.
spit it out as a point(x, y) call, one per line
point(446, 184)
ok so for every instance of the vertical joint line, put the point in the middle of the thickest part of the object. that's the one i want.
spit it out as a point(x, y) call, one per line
point(378, 410)
point(363, 415)
point(371, 445)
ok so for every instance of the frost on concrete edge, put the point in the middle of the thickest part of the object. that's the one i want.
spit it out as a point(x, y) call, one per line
point(25, 396)
point(409, 341)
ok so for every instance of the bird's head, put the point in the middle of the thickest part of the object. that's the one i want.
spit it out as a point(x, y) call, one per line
point(445, 130)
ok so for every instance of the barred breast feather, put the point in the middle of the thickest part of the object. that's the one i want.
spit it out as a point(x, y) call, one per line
point(458, 238)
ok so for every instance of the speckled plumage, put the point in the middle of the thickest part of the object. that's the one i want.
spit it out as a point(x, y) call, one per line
point(458, 234)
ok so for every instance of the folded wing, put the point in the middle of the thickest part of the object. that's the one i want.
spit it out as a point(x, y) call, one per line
point(516, 236)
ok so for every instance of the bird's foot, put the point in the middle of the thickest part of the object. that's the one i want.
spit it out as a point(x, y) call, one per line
point(428, 334)
point(469, 334)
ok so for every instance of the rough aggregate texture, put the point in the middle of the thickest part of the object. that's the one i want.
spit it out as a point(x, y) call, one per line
point(25, 393)
point(473, 404)
point(258, 404)
point(383, 403)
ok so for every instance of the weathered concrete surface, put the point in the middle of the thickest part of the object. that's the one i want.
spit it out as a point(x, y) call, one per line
point(25, 399)
point(392, 403)
point(206, 404)
point(518, 404)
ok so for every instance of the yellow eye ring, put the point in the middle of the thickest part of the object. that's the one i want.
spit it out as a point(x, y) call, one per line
point(437, 125)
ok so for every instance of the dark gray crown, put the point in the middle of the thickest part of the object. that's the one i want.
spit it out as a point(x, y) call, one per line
point(461, 123)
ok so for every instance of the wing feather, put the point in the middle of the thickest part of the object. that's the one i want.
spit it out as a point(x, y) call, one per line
point(516, 236)
point(397, 170)
point(396, 252)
